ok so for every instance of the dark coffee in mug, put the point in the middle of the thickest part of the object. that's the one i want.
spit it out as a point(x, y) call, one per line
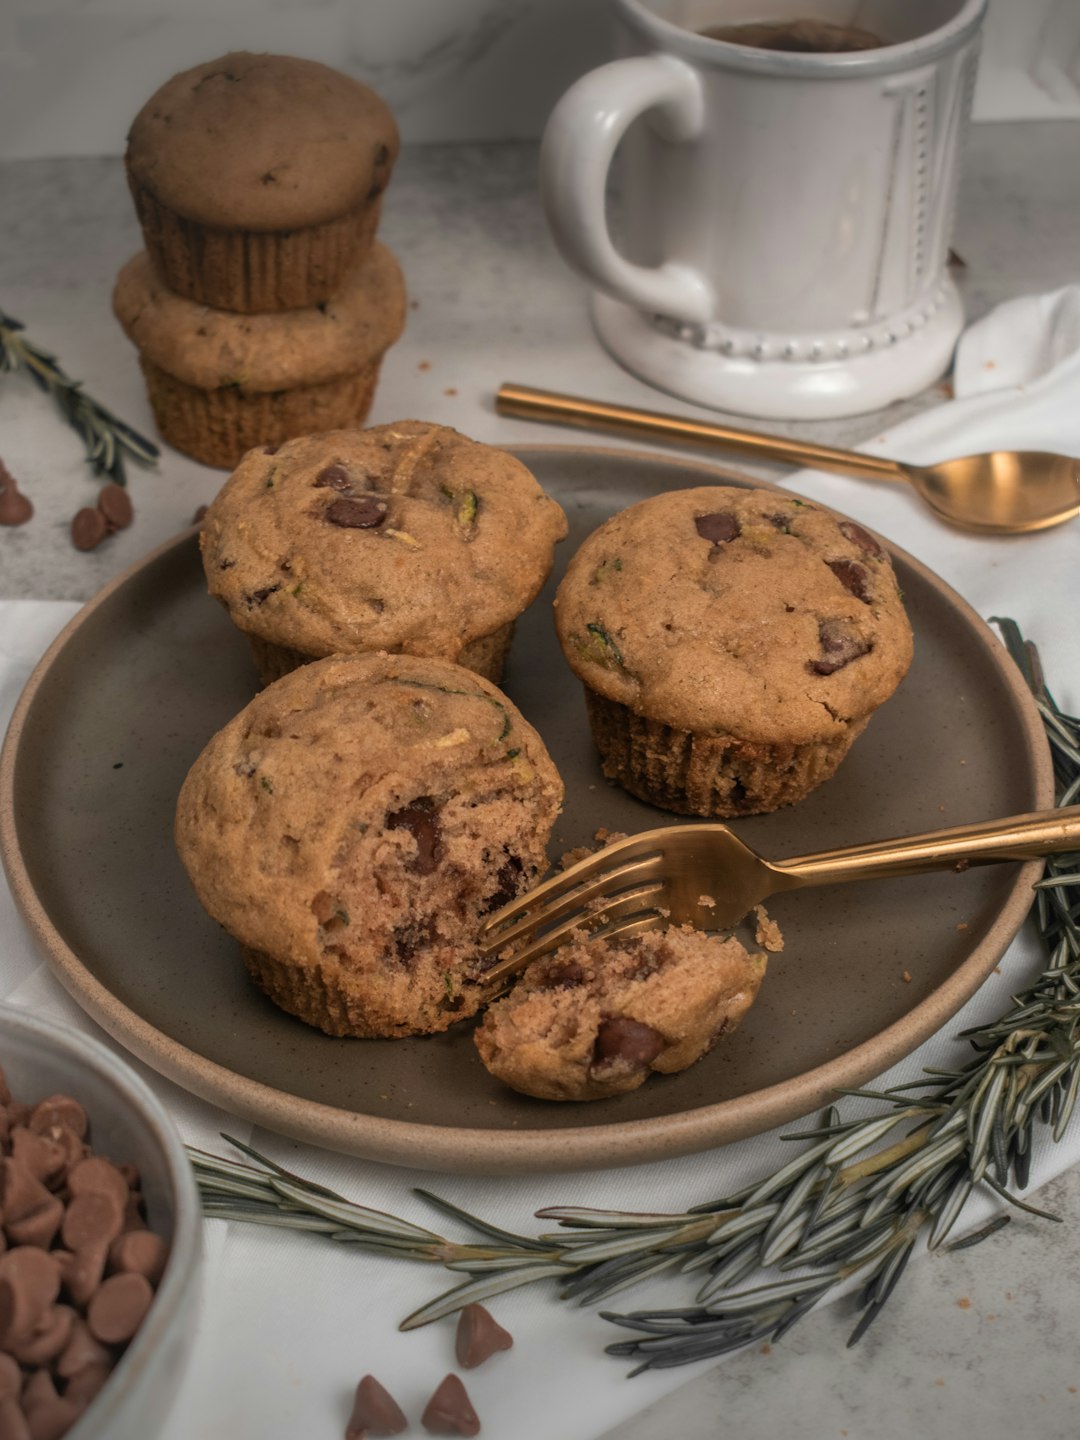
point(806, 37)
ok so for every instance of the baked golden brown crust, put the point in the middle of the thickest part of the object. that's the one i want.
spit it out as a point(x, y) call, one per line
point(262, 142)
point(259, 354)
point(597, 1017)
point(733, 643)
point(352, 825)
point(783, 633)
point(406, 537)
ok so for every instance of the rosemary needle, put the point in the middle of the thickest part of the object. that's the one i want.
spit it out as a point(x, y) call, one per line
point(106, 437)
point(852, 1203)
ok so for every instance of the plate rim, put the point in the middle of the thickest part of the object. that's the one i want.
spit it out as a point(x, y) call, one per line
point(463, 1150)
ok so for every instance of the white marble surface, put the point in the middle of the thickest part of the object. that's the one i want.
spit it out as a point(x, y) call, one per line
point(984, 1339)
point(74, 72)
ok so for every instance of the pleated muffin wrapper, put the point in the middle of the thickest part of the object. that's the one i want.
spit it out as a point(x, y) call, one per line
point(733, 644)
point(258, 180)
point(221, 384)
point(716, 776)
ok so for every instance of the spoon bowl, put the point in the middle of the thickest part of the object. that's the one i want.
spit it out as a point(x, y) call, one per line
point(1006, 492)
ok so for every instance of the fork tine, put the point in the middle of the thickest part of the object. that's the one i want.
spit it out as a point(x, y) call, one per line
point(631, 912)
point(634, 847)
point(582, 897)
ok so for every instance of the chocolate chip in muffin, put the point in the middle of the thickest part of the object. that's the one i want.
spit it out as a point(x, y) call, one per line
point(334, 477)
point(622, 1040)
point(853, 577)
point(420, 819)
point(720, 527)
point(840, 645)
point(858, 536)
point(364, 512)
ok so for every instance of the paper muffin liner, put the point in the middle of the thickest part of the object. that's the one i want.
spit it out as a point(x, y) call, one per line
point(254, 271)
point(713, 775)
point(485, 656)
point(218, 427)
point(329, 998)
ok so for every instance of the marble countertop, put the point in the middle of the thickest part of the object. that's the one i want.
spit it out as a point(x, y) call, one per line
point(981, 1339)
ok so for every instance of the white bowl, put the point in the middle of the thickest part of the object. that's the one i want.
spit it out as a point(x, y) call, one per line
point(127, 1124)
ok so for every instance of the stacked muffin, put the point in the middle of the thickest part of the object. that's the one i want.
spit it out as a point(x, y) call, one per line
point(263, 304)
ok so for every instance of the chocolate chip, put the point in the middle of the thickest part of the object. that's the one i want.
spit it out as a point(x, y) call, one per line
point(334, 477)
point(116, 1309)
point(626, 1041)
point(779, 522)
point(260, 597)
point(81, 1270)
point(10, 1377)
point(59, 1110)
point(420, 818)
point(45, 1160)
point(564, 974)
point(29, 1285)
point(719, 528)
point(114, 502)
point(363, 513)
point(858, 536)
point(374, 1412)
point(93, 1218)
point(51, 1418)
point(139, 1252)
point(15, 508)
point(450, 1411)
point(48, 1338)
point(13, 1424)
point(840, 645)
point(479, 1336)
point(80, 1351)
point(408, 939)
point(507, 881)
point(853, 577)
point(88, 529)
point(95, 1173)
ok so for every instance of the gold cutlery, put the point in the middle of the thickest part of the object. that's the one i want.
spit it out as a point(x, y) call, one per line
point(1005, 492)
point(665, 876)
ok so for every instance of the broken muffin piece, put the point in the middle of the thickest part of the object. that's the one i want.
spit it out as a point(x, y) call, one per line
point(598, 1016)
point(352, 826)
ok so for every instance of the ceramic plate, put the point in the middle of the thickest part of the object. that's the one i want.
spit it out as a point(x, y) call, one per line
point(127, 696)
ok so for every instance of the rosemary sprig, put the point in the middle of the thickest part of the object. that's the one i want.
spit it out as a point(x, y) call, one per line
point(853, 1202)
point(106, 437)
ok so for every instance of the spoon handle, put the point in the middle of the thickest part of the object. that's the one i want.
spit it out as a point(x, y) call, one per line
point(1020, 837)
point(525, 403)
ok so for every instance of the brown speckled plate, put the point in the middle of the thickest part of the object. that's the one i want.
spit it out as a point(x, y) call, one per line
point(129, 693)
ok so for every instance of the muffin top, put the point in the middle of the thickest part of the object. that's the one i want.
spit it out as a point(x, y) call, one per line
point(311, 790)
point(263, 353)
point(403, 537)
point(262, 142)
point(745, 612)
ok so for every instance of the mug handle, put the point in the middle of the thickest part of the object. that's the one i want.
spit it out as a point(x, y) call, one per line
point(579, 142)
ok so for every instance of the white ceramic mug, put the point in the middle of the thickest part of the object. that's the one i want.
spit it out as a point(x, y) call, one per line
point(785, 217)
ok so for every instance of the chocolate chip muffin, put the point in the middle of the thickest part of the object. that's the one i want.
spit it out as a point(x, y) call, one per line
point(599, 1016)
point(353, 825)
point(733, 643)
point(406, 537)
point(258, 180)
point(220, 383)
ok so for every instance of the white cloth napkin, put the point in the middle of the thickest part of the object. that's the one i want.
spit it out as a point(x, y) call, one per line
point(291, 1323)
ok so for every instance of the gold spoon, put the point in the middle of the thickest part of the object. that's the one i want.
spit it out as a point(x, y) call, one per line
point(1006, 492)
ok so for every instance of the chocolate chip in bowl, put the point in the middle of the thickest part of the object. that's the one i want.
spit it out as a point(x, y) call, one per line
point(100, 1278)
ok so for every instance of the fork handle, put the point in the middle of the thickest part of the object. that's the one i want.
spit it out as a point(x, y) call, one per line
point(1020, 837)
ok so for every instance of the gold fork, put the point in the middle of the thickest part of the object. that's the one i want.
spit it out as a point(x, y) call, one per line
point(704, 875)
